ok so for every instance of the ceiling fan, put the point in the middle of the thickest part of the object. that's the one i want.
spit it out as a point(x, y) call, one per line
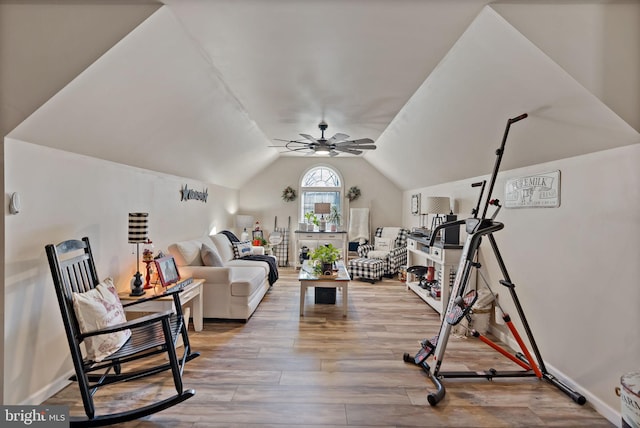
point(332, 146)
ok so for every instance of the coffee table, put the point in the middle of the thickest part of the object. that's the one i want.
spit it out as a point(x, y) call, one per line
point(308, 278)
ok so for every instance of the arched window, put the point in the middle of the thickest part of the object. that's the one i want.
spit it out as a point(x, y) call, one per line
point(320, 184)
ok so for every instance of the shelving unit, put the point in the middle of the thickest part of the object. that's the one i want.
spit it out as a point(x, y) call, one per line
point(445, 259)
point(314, 239)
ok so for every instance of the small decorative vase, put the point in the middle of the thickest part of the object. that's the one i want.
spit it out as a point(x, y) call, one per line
point(310, 227)
point(327, 269)
point(430, 273)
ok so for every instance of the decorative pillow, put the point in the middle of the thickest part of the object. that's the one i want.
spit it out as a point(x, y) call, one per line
point(210, 256)
point(97, 309)
point(241, 249)
point(382, 244)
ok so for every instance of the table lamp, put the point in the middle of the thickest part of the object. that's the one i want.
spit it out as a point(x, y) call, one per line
point(137, 235)
point(435, 205)
point(322, 208)
point(243, 222)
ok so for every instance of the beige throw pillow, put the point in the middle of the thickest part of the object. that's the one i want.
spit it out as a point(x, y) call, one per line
point(210, 256)
point(97, 309)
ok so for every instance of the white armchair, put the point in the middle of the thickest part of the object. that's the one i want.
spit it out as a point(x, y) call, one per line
point(391, 248)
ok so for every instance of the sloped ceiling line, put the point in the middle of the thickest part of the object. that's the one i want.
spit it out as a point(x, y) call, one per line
point(210, 84)
point(454, 121)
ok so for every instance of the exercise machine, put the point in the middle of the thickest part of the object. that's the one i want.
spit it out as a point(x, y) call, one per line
point(461, 301)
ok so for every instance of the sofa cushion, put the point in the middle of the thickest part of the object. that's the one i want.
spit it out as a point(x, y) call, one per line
point(241, 249)
point(246, 280)
point(210, 256)
point(224, 247)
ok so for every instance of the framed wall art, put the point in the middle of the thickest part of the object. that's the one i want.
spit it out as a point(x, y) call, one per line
point(533, 191)
point(415, 204)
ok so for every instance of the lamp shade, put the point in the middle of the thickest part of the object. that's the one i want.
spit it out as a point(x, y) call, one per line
point(435, 205)
point(322, 208)
point(244, 221)
point(138, 228)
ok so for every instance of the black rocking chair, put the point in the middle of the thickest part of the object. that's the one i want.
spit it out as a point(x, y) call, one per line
point(73, 270)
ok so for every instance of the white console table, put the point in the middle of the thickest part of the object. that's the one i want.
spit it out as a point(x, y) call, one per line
point(445, 260)
point(314, 239)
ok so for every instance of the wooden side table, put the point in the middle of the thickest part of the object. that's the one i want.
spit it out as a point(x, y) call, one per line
point(191, 293)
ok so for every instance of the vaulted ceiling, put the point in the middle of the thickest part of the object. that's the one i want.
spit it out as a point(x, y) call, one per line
point(200, 88)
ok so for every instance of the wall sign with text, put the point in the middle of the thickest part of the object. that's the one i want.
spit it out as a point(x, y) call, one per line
point(533, 191)
point(187, 194)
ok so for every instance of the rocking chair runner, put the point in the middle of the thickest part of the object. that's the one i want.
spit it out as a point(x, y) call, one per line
point(73, 271)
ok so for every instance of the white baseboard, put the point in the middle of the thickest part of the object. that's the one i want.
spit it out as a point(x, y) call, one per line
point(598, 405)
point(48, 391)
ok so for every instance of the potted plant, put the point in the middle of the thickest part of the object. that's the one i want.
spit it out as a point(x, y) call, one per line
point(325, 256)
point(334, 218)
point(312, 219)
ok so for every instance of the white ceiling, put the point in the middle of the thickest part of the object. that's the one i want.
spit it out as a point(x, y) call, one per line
point(203, 87)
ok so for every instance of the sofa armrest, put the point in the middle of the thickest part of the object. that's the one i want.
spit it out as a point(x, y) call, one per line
point(210, 274)
point(257, 250)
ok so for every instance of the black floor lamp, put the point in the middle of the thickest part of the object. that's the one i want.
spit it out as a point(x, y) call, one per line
point(137, 235)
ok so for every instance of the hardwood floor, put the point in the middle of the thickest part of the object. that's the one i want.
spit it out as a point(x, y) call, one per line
point(323, 370)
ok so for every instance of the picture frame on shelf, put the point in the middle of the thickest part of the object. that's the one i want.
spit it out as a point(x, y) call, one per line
point(167, 270)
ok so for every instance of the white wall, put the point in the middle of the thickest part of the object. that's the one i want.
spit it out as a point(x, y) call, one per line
point(66, 196)
point(262, 195)
point(575, 267)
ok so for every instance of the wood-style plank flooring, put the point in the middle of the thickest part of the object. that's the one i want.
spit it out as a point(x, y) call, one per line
point(323, 370)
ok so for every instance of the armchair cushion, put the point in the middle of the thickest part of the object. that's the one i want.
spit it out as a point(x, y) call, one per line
point(377, 254)
point(97, 309)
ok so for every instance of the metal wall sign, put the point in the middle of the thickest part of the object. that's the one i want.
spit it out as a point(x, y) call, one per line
point(533, 191)
point(187, 194)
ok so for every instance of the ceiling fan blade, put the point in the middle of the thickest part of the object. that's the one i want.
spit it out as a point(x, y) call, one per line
point(333, 153)
point(338, 137)
point(309, 137)
point(356, 142)
point(349, 150)
point(369, 147)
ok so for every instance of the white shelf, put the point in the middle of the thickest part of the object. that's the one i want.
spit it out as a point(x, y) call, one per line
point(445, 262)
point(436, 304)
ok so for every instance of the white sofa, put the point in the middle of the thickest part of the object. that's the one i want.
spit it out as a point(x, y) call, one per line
point(232, 291)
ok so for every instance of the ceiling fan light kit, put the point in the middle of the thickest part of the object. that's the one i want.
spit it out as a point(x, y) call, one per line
point(332, 146)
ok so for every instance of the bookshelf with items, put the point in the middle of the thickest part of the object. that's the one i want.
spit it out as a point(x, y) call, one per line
point(444, 260)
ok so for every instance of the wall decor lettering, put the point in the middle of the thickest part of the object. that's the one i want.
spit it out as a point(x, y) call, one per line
point(187, 194)
point(533, 191)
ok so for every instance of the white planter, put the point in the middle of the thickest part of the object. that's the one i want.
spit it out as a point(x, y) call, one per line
point(310, 227)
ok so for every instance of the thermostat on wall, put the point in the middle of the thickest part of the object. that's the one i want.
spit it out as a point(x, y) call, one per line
point(14, 203)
